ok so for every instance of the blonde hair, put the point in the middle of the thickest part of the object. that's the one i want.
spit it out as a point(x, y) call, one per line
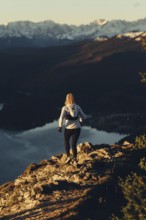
point(69, 99)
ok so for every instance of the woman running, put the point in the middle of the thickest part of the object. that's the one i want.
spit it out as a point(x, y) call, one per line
point(73, 115)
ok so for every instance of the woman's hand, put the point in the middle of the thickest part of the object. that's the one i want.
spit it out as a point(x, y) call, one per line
point(59, 129)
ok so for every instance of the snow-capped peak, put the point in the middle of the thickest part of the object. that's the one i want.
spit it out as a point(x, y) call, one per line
point(100, 22)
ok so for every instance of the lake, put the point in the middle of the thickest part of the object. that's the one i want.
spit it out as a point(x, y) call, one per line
point(19, 149)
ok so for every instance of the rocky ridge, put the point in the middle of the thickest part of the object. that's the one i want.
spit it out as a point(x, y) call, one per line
point(55, 190)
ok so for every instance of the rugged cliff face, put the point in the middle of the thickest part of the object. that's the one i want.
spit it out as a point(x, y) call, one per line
point(55, 190)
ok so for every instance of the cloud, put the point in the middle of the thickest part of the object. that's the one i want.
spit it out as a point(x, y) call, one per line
point(137, 4)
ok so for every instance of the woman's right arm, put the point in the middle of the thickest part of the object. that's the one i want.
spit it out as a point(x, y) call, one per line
point(82, 115)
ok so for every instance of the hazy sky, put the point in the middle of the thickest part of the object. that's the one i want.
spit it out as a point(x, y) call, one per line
point(71, 11)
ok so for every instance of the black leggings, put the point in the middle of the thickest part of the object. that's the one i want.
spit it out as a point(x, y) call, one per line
point(74, 135)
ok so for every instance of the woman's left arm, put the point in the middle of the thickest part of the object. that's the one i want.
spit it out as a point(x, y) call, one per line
point(62, 116)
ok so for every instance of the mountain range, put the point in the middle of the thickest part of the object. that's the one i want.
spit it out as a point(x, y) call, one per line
point(42, 34)
point(40, 62)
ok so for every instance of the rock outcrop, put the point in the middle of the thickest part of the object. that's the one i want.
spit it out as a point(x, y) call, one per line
point(55, 190)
